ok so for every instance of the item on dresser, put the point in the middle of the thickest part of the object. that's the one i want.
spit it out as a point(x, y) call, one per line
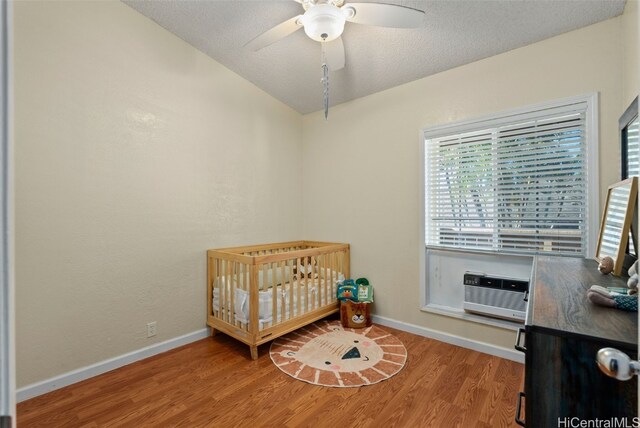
point(258, 293)
point(613, 297)
point(616, 223)
point(632, 282)
point(606, 265)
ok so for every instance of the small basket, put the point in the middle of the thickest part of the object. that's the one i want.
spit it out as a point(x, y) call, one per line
point(355, 315)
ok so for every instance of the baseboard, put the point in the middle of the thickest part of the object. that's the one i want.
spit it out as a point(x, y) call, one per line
point(84, 373)
point(483, 347)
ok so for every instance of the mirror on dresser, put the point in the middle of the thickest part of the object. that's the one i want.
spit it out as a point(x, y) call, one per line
point(616, 222)
point(629, 131)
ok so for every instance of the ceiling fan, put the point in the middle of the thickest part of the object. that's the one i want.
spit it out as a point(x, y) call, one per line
point(324, 20)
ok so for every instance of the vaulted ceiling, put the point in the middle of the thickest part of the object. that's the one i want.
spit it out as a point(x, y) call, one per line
point(455, 32)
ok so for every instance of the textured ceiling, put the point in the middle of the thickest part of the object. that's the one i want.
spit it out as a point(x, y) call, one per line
point(456, 32)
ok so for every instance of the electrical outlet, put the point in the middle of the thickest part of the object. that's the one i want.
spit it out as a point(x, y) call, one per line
point(151, 329)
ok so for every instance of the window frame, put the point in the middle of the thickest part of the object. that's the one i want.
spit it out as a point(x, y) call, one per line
point(625, 120)
point(591, 162)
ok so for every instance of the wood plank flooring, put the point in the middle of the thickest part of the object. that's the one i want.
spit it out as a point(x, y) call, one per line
point(214, 383)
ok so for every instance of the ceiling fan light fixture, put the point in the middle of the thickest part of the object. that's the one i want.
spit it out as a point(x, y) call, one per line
point(323, 22)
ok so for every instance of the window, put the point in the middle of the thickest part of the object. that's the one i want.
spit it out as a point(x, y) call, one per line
point(517, 183)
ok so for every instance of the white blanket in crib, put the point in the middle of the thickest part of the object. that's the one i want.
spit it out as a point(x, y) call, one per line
point(265, 300)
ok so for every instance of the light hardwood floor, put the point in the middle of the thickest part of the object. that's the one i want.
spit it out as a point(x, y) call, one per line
point(214, 382)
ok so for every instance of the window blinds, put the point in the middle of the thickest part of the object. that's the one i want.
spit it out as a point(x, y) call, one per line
point(513, 184)
point(633, 148)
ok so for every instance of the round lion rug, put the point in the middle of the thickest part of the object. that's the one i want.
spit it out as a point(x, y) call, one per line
point(326, 354)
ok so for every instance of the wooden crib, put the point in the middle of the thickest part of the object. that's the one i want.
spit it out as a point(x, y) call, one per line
point(260, 292)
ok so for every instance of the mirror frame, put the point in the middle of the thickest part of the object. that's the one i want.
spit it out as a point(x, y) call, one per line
point(622, 244)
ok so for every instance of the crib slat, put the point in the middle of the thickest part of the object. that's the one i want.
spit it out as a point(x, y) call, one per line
point(265, 281)
point(322, 286)
point(309, 284)
point(232, 292)
point(266, 268)
point(332, 269)
point(291, 302)
point(254, 289)
point(220, 286)
point(223, 288)
point(317, 275)
point(247, 277)
point(283, 306)
point(228, 292)
point(291, 284)
point(327, 287)
point(219, 275)
point(274, 304)
point(211, 278)
point(298, 280)
point(309, 287)
point(240, 286)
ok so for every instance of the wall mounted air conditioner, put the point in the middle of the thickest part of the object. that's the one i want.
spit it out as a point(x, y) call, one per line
point(495, 296)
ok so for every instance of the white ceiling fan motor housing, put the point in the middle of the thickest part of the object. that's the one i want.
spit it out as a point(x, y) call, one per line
point(323, 22)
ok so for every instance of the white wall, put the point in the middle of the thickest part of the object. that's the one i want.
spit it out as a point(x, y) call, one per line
point(134, 154)
point(631, 53)
point(371, 148)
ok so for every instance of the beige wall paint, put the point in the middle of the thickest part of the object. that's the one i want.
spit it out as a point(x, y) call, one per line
point(362, 167)
point(134, 154)
point(631, 53)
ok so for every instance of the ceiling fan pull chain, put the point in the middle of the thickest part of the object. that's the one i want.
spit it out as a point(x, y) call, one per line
point(325, 83)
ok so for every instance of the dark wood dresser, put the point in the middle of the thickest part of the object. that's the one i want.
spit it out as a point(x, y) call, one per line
point(563, 332)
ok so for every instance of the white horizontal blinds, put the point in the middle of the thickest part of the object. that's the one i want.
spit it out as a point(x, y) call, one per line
point(542, 185)
point(633, 158)
point(633, 148)
point(460, 197)
point(516, 184)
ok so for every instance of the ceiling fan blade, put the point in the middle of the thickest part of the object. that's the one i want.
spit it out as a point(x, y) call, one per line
point(334, 54)
point(384, 15)
point(278, 32)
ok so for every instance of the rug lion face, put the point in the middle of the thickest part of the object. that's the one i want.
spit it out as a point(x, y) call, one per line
point(326, 354)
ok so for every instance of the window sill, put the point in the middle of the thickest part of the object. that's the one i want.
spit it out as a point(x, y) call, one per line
point(461, 314)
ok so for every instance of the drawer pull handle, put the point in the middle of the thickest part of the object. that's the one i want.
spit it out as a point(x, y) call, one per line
point(519, 409)
point(517, 345)
point(526, 296)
